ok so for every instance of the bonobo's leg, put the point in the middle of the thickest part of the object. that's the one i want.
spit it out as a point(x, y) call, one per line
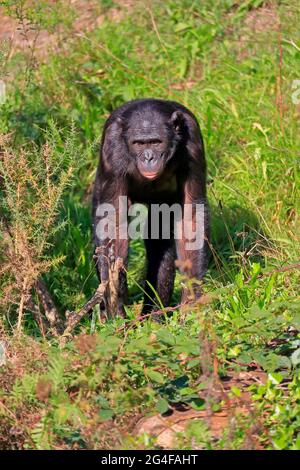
point(110, 245)
point(160, 272)
point(193, 248)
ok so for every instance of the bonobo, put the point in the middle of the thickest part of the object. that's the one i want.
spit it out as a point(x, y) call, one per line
point(152, 153)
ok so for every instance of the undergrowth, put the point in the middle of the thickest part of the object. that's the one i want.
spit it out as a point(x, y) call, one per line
point(233, 64)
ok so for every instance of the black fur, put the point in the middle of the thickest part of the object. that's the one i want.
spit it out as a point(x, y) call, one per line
point(152, 152)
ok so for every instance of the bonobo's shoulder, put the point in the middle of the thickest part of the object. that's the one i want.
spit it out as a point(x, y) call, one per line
point(158, 105)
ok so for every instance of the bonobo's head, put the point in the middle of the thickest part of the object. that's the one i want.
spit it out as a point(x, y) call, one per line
point(152, 138)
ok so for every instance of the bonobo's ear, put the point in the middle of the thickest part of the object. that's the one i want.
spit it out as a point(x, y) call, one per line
point(115, 127)
point(113, 146)
point(177, 119)
point(112, 133)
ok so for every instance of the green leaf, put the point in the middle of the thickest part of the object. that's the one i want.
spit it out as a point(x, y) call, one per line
point(155, 376)
point(105, 415)
point(235, 351)
point(197, 403)
point(186, 391)
point(193, 363)
point(165, 337)
point(236, 391)
point(215, 407)
point(101, 401)
point(162, 406)
point(284, 362)
point(275, 378)
point(295, 357)
point(181, 27)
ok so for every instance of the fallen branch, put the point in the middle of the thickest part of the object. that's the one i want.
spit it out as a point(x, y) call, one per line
point(37, 314)
point(74, 318)
point(51, 312)
point(106, 296)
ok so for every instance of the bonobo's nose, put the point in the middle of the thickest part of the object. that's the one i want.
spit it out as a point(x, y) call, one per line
point(148, 155)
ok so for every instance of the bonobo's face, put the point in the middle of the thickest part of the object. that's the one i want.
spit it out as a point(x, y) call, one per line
point(152, 141)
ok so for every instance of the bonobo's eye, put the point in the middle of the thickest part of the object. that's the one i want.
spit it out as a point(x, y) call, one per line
point(155, 142)
point(138, 142)
point(148, 143)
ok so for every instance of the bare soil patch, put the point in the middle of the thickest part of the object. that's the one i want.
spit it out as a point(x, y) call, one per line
point(88, 15)
point(166, 427)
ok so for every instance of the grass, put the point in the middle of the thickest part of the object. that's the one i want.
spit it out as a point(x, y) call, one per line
point(233, 64)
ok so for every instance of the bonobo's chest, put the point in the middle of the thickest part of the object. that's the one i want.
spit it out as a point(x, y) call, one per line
point(163, 189)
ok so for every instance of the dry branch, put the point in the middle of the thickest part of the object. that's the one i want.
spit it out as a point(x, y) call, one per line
point(50, 310)
point(73, 318)
point(106, 296)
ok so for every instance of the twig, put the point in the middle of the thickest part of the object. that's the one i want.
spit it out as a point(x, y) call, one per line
point(22, 304)
point(292, 43)
point(194, 303)
point(106, 296)
point(74, 318)
point(50, 310)
point(156, 30)
point(290, 267)
point(42, 323)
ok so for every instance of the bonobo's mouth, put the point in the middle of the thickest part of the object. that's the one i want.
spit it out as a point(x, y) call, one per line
point(150, 176)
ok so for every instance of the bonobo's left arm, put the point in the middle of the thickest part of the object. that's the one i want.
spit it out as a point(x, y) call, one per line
point(192, 248)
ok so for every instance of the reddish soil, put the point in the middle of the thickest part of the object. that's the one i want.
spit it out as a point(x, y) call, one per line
point(165, 427)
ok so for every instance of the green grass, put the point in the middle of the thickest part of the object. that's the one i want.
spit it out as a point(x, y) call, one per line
point(238, 82)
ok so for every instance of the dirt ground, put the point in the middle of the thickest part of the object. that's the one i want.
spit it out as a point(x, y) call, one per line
point(166, 427)
point(88, 15)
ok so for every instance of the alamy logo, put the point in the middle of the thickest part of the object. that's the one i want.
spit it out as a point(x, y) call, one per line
point(2, 91)
point(167, 222)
